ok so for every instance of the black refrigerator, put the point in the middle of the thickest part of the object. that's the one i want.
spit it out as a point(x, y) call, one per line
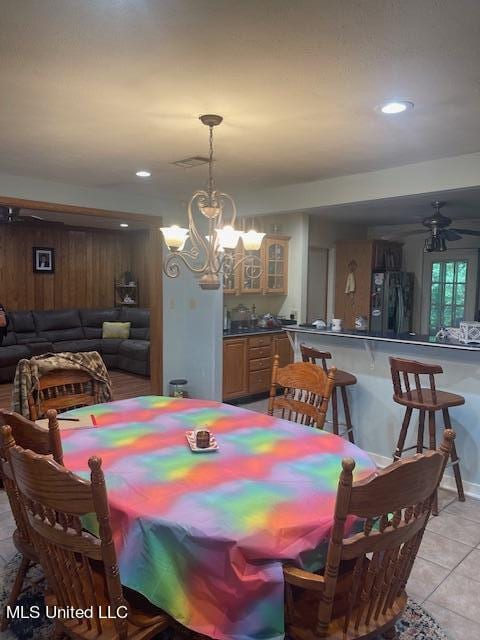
point(392, 302)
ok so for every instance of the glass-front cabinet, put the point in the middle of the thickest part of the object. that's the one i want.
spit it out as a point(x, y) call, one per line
point(252, 272)
point(231, 277)
point(276, 265)
point(267, 274)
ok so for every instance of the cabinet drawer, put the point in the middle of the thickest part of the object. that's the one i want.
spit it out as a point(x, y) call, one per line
point(259, 381)
point(260, 341)
point(261, 363)
point(259, 352)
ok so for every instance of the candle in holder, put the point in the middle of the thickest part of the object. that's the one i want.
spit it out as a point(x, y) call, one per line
point(202, 438)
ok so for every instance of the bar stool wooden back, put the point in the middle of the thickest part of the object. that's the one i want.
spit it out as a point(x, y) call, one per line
point(414, 388)
point(343, 379)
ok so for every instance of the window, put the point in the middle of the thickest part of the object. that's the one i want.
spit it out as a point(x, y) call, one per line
point(447, 293)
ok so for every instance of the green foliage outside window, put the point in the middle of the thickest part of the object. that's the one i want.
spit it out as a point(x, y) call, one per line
point(447, 294)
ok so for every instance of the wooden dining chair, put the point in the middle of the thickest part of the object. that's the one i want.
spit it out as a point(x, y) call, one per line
point(61, 390)
point(81, 569)
point(361, 592)
point(29, 436)
point(305, 391)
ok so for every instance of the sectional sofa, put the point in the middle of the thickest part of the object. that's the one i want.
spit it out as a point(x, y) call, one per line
point(35, 332)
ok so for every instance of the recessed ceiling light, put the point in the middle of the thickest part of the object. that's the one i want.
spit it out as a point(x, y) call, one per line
point(397, 106)
point(143, 174)
point(123, 224)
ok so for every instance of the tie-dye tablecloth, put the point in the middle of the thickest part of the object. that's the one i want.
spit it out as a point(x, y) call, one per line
point(203, 535)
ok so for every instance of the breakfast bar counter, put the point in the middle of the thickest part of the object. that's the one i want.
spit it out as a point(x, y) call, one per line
point(375, 417)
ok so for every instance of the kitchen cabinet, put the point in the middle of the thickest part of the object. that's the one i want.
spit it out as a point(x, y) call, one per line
point(231, 277)
point(276, 265)
point(235, 382)
point(271, 277)
point(248, 361)
point(282, 346)
point(252, 273)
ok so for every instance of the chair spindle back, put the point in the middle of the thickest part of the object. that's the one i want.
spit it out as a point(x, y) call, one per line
point(61, 390)
point(306, 390)
point(406, 378)
point(395, 504)
point(310, 354)
point(81, 569)
point(30, 436)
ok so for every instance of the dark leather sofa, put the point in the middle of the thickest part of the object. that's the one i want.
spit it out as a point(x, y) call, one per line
point(32, 333)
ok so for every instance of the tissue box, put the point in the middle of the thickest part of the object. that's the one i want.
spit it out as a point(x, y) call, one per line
point(469, 332)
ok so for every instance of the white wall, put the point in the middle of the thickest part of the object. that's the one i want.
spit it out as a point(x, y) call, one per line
point(97, 198)
point(458, 172)
point(323, 234)
point(192, 336)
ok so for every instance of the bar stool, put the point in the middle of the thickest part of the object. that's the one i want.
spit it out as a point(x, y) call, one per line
point(424, 399)
point(342, 380)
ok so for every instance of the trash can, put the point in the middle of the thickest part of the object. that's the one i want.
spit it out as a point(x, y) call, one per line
point(178, 388)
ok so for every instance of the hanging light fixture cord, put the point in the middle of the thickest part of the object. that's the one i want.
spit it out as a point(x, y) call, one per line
point(211, 180)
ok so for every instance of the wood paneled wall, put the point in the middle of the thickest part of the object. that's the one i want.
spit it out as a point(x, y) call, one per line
point(347, 306)
point(86, 263)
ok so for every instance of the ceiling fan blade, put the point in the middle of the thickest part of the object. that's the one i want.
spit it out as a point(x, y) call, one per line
point(467, 232)
point(451, 235)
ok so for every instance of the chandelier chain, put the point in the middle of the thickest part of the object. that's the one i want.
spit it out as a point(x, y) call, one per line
point(211, 180)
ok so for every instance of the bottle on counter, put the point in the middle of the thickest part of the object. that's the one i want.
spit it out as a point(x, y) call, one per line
point(253, 318)
point(225, 317)
point(227, 321)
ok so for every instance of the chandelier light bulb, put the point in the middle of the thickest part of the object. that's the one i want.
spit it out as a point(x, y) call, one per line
point(175, 237)
point(228, 237)
point(252, 240)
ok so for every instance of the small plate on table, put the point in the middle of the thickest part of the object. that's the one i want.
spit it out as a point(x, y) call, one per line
point(192, 441)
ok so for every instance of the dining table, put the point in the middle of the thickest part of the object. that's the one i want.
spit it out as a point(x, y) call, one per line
point(204, 536)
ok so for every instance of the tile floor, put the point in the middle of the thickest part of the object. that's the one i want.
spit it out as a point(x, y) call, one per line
point(446, 575)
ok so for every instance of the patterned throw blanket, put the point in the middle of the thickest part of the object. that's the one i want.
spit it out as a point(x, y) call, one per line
point(29, 371)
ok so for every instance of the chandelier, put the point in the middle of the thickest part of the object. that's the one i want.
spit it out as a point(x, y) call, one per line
point(210, 256)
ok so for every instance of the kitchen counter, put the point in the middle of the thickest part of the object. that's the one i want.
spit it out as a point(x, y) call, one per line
point(251, 332)
point(376, 418)
point(409, 338)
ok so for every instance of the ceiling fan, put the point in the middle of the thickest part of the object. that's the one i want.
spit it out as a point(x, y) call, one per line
point(11, 215)
point(440, 230)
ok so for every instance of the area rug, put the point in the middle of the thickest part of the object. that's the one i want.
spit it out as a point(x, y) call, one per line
point(416, 624)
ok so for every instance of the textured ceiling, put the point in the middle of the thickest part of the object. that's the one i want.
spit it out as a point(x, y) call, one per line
point(93, 91)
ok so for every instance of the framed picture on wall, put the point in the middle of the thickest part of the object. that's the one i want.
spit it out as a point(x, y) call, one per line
point(43, 260)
